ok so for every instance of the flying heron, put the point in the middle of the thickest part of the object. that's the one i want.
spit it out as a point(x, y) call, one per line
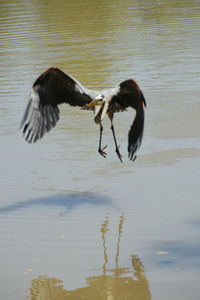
point(54, 87)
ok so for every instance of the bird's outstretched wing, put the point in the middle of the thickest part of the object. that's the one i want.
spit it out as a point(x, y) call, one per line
point(128, 94)
point(52, 88)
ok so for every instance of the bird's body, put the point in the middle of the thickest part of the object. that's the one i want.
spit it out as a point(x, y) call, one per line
point(54, 87)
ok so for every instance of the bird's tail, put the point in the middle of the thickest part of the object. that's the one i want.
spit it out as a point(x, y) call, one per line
point(135, 134)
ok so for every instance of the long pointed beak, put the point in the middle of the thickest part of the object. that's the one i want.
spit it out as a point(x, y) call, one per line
point(93, 103)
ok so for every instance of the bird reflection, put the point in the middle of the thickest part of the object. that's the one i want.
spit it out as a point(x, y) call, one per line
point(104, 229)
point(112, 284)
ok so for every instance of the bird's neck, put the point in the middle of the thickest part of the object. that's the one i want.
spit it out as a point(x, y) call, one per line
point(100, 112)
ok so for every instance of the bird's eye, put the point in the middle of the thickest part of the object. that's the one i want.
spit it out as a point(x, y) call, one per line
point(100, 98)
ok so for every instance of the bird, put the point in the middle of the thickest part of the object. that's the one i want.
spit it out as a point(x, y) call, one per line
point(54, 87)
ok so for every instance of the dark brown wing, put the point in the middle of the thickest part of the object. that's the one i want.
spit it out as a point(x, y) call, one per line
point(53, 87)
point(128, 94)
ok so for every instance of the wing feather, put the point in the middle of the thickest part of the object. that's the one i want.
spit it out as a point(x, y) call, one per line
point(52, 88)
point(128, 94)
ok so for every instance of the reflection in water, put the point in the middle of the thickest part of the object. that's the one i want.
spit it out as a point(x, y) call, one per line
point(118, 240)
point(116, 286)
point(104, 229)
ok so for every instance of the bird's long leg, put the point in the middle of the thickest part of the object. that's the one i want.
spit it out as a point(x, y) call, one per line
point(114, 136)
point(116, 146)
point(100, 150)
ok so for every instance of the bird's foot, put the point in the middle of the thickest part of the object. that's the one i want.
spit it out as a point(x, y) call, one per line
point(118, 154)
point(103, 153)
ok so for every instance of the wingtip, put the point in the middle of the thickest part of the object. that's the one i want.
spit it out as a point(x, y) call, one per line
point(132, 158)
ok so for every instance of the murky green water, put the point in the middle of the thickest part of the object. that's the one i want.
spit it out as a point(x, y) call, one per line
point(74, 225)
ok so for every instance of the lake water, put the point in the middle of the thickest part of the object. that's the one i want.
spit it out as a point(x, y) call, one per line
point(74, 225)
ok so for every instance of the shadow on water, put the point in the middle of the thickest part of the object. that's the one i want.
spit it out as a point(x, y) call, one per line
point(180, 253)
point(66, 201)
point(109, 284)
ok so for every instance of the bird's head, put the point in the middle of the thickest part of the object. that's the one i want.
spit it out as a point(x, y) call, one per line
point(100, 108)
point(99, 100)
